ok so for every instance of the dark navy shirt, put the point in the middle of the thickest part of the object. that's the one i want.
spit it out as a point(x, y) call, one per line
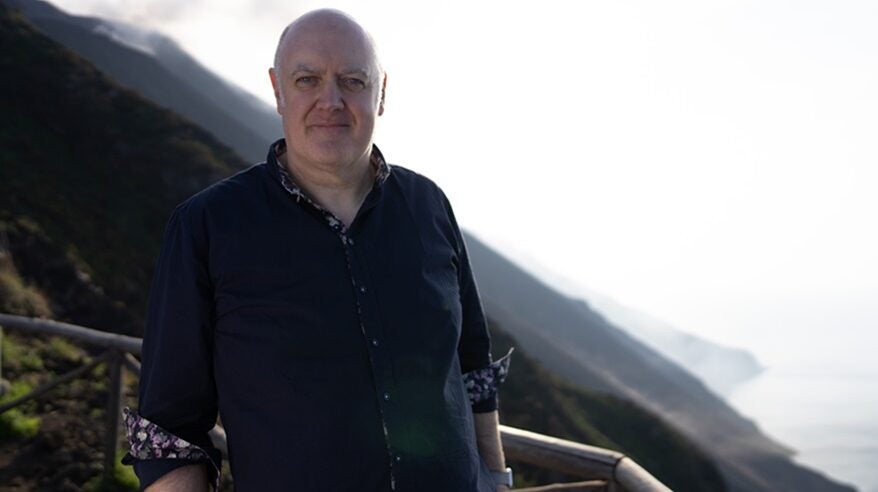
point(335, 356)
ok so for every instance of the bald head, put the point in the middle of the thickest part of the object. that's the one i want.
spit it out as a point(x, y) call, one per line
point(329, 89)
point(326, 22)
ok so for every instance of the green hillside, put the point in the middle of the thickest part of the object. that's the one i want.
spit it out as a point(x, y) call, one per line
point(534, 399)
point(95, 167)
point(89, 172)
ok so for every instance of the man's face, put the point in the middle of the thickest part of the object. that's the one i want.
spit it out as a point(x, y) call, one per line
point(329, 91)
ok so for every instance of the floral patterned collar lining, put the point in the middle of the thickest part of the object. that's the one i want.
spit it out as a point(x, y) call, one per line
point(279, 148)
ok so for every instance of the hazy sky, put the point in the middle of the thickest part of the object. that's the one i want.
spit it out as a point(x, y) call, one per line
point(714, 164)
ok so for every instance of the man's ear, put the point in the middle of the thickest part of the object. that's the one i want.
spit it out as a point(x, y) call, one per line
point(275, 84)
point(383, 92)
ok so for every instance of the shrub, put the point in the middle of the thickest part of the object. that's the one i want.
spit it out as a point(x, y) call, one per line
point(123, 479)
point(16, 423)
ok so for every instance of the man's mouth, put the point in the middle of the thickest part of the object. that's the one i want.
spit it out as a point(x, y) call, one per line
point(330, 125)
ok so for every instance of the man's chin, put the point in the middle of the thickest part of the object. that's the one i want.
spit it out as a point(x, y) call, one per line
point(330, 155)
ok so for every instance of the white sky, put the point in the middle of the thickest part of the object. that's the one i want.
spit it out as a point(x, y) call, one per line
point(714, 164)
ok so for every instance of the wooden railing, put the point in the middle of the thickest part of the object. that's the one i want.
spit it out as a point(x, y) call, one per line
point(601, 469)
point(118, 353)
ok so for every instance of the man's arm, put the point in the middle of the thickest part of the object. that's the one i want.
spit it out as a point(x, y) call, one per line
point(184, 479)
point(178, 404)
point(482, 377)
point(488, 440)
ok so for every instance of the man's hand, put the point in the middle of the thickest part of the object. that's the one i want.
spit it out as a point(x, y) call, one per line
point(184, 479)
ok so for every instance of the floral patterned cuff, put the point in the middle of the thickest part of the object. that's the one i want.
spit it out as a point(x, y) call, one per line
point(482, 384)
point(148, 441)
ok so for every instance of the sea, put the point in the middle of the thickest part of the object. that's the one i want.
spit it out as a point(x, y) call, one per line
point(828, 414)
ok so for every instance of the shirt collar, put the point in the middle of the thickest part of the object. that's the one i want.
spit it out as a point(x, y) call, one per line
point(279, 147)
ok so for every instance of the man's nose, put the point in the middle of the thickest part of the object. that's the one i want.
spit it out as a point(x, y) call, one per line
point(330, 97)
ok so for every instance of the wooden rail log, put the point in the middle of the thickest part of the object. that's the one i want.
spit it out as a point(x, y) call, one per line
point(635, 479)
point(588, 486)
point(114, 413)
point(218, 437)
point(132, 364)
point(614, 470)
point(572, 458)
point(578, 460)
point(46, 387)
point(87, 335)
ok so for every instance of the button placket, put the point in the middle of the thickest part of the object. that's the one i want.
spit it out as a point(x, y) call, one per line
point(336, 225)
point(347, 242)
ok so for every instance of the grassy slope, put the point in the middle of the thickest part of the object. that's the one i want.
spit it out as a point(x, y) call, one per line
point(95, 166)
point(53, 443)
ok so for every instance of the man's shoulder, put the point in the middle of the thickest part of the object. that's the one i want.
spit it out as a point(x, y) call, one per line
point(228, 194)
point(232, 188)
point(405, 173)
point(413, 181)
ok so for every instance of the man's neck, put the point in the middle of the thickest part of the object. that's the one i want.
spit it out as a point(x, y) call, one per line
point(339, 189)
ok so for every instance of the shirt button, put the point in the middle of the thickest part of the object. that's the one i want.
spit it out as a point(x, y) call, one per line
point(374, 342)
point(386, 396)
point(397, 458)
point(362, 290)
point(350, 241)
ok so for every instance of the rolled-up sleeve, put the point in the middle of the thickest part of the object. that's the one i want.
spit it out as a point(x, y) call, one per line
point(178, 401)
point(482, 377)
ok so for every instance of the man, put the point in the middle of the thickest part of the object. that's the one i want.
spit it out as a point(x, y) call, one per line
point(323, 303)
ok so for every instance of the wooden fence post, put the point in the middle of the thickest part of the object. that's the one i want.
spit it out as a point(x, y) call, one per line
point(4, 386)
point(114, 413)
point(1, 361)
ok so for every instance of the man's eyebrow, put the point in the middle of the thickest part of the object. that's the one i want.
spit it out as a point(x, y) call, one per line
point(301, 67)
point(356, 71)
point(304, 68)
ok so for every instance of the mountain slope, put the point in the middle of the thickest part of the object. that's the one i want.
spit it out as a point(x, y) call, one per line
point(94, 166)
point(578, 344)
point(156, 67)
point(721, 368)
point(535, 399)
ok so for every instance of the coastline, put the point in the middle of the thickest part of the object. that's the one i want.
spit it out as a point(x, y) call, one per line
point(824, 413)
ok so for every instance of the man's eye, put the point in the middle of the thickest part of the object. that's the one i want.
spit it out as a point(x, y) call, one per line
point(306, 81)
point(354, 84)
